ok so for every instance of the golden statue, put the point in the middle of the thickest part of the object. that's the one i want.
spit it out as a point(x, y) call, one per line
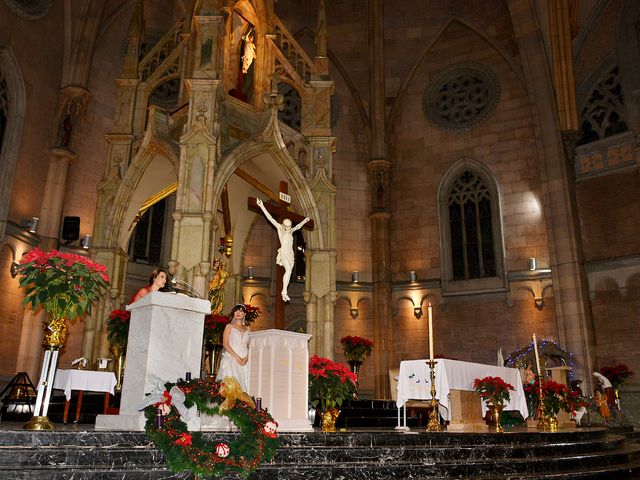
point(216, 287)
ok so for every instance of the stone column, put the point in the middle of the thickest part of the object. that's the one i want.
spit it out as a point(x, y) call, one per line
point(379, 171)
point(553, 110)
point(53, 199)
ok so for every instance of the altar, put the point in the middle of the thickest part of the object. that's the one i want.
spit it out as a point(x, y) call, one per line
point(454, 389)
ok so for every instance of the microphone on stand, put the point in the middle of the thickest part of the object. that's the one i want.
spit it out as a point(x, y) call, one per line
point(190, 290)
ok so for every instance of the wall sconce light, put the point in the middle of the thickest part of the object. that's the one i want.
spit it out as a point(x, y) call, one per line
point(13, 269)
point(532, 264)
point(539, 303)
point(32, 225)
point(412, 276)
point(417, 312)
point(228, 245)
point(354, 312)
point(250, 272)
point(355, 276)
point(86, 242)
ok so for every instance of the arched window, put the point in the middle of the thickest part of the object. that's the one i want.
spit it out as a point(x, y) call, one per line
point(603, 112)
point(470, 226)
point(12, 108)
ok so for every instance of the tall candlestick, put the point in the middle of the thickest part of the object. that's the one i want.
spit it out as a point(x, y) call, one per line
point(535, 349)
point(430, 314)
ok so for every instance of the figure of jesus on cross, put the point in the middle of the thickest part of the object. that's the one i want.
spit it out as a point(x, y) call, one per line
point(285, 256)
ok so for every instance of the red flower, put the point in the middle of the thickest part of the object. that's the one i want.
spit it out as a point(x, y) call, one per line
point(356, 348)
point(330, 383)
point(184, 440)
point(214, 326)
point(617, 375)
point(494, 390)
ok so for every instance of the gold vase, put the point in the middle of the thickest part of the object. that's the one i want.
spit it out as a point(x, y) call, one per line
point(118, 353)
point(213, 357)
point(496, 417)
point(355, 368)
point(548, 423)
point(54, 333)
point(328, 418)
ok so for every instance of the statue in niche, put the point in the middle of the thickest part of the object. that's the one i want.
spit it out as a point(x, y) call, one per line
point(244, 87)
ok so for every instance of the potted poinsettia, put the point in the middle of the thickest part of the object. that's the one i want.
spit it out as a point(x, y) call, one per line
point(617, 375)
point(330, 384)
point(356, 348)
point(64, 285)
point(553, 397)
point(252, 313)
point(214, 327)
point(495, 392)
point(118, 327)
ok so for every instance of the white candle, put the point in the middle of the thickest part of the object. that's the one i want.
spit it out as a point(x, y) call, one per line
point(535, 348)
point(430, 314)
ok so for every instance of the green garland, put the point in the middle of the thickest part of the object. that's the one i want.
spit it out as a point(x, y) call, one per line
point(183, 450)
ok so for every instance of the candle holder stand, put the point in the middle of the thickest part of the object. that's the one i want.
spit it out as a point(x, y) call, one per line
point(434, 416)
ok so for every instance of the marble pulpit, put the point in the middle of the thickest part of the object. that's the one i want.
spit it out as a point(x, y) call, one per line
point(279, 376)
point(165, 342)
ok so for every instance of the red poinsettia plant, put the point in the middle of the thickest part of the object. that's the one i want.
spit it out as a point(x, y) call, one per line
point(356, 348)
point(252, 313)
point(118, 328)
point(330, 383)
point(63, 284)
point(493, 390)
point(617, 375)
point(555, 396)
point(214, 326)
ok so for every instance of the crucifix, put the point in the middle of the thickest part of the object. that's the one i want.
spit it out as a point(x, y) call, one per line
point(283, 220)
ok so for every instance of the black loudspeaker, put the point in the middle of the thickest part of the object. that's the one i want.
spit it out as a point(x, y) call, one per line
point(70, 229)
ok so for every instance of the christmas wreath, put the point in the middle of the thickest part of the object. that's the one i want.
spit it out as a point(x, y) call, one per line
point(184, 450)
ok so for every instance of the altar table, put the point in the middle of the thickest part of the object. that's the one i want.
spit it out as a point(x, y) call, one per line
point(83, 380)
point(452, 376)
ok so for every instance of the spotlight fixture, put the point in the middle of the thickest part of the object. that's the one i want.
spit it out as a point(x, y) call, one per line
point(539, 303)
point(32, 225)
point(355, 276)
point(86, 242)
point(532, 264)
point(417, 311)
point(412, 276)
point(250, 272)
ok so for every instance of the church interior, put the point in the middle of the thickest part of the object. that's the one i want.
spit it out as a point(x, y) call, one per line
point(475, 157)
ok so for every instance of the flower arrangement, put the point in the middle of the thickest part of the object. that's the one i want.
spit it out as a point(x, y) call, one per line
point(493, 390)
point(617, 375)
point(118, 328)
point(256, 442)
point(252, 313)
point(555, 397)
point(63, 284)
point(356, 348)
point(214, 326)
point(330, 383)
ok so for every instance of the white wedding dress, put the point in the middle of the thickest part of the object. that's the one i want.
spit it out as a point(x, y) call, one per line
point(239, 341)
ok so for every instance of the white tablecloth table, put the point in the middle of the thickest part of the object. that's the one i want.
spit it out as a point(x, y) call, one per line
point(414, 383)
point(83, 381)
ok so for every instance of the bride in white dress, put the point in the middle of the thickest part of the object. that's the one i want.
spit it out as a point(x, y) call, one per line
point(235, 341)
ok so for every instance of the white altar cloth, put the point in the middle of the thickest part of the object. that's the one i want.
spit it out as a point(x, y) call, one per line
point(85, 380)
point(414, 384)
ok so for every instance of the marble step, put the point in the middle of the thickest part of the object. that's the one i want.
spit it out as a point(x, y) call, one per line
point(352, 455)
